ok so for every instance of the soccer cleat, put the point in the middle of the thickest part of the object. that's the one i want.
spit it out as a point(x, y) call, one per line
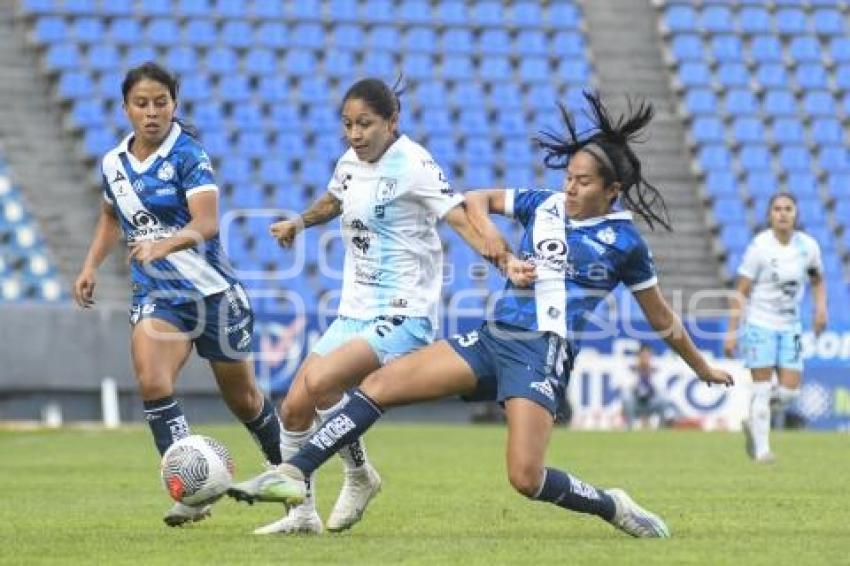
point(359, 488)
point(302, 519)
point(283, 484)
point(633, 519)
point(750, 444)
point(180, 514)
point(766, 458)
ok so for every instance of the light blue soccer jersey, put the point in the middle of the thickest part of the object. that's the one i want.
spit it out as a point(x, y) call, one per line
point(150, 200)
point(578, 263)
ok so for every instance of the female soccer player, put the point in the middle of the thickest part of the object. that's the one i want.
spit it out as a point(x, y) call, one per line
point(390, 193)
point(158, 188)
point(772, 276)
point(575, 250)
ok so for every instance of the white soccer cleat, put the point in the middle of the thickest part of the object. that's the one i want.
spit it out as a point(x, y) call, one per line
point(180, 514)
point(302, 519)
point(281, 484)
point(359, 488)
point(633, 519)
point(766, 458)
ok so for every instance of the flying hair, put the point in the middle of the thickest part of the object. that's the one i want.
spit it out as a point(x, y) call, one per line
point(608, 141)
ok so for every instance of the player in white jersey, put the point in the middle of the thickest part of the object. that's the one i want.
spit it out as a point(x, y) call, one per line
point(771, 280)
point(158, 189)
point(390, 194)
point(575, 250)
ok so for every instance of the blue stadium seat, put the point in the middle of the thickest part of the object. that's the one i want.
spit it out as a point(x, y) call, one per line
point(733, 75)
point(771, 75)
point(754, 157)
point(108, 85)
point(88, 30)
point(788, 131)
point(299, 62)
point(50, 29)
point(138, 54)
point(103, 57)
point(308, 36)
point(196, 32)
point(486, 14)
point(779, 102)
point(457, 40)
point(466, 95)
point(322, 119)
point(842, 214)
point(231, 9)
point(811, 213)
point(259, 61)
point(478, 151)
point(247, 117)
point(517, 153)
point(535, 70)
point(378, 63)
point(314, 90)
point(38, 6)
point(526, 15)
point(431, 93)
point(417, 66)
point(221, 60)
point(803, 184)
point(97, 142)
point(760, 183)
point(687, 47)
point(378, 11)
point(80, 7)
point(342, 11)
point(834, 159)
point(841, 75)
point(75, 85)
point(708, 129)
point(726, 47)
point(444, 150)
point(747, 129)
point(235, 170)
point(217, 144)
point(494, 69)
point(384, 38)
point(735, 237)
point(721, 183)
point(239, 34)
point(495, 41)
point(276, 35)
point(845, 103)
point(568, 43)
point(473, 122)
point(510, 124)
point(268, 10)
point(680, 18)
point(63, 56)
point(790, 21)
point(234, 88)
point(714, 157)
point(305, 11)
point(826, 21)
point(421, 39)
point(339, 63)
point(542, 98)
point(729, 211)
point(740, 101)
point(414, 12)
point(182, 59)
point(562, 15)
point(826, 130)
point(329, 144)
point(477, 176)
point(811, 76)
point(289, 145)
point(154, 8)
point(519, 176)
point(818, 103)
point(452, 13)
point(456, 67)
point(700, 101)
point(193, 9)
point(209, 116)
point(531, 42)
point(805, 48)
point(839, 49)
point(795, 158)
point(694, 74)
point(506, 96)
point(716, 19)
point(838, 185)
point(273, 88)
point(88, 113)
point(766, 49)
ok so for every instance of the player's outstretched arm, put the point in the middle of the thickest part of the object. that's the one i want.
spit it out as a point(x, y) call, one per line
point(203, 209)
point(664, 321)
point(326, 208)
point(106, 235)
point(819, 296)
point(737, 302)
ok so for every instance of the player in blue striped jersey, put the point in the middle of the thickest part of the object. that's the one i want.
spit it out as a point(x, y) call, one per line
point(575, 250)
point(159, 191)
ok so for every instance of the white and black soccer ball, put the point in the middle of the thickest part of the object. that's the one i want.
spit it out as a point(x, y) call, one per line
point(196, 470)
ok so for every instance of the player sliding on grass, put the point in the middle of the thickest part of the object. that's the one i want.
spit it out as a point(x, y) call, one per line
point(575, 250)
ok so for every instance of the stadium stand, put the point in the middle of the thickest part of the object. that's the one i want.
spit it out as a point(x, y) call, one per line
point(763, 87)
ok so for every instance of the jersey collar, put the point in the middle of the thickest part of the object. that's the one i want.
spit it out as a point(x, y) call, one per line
point(162, 151)
point(619, 215)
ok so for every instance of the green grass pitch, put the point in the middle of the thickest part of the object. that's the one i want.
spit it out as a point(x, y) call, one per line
point(94, 497)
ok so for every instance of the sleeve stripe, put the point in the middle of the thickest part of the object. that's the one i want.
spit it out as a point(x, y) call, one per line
point(651, 282)
point(201, 189)
point(509, 203)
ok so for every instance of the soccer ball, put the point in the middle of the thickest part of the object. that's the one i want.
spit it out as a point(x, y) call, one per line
point(196, 470)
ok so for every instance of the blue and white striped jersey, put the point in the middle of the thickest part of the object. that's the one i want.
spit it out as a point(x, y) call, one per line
point(578, 263)
point(150, 200)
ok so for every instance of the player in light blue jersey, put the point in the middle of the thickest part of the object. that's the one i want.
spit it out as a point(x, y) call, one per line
point(574, 251)
point(159, 191)
point(389, 194)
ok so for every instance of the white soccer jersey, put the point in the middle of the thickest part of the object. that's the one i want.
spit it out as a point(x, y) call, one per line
point(393, 257)
point(779, 273)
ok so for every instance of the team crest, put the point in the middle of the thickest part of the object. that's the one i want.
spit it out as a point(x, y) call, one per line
point(138, 185)
point(607, 236)
point(386, 190)
point(165, 172)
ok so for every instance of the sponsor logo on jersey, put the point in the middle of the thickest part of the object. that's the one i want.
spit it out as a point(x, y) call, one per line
point(118, 177)
point(597, 247)
point(166, 191)
point(386, 189)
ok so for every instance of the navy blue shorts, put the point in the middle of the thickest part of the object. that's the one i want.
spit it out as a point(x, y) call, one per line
point(513, 362)
point(221, 326)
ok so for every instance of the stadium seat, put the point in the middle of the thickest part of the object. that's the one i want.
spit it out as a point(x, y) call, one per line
point(452, 13)
point(139, 54)
point(456, 67)
point(474, 122)
point(765, 49)
point(834, 159)
point(305, 11)
point(747, 129)
point(794, 158)
point(221, 60)
point(342, 11)
point(182, 59)
point(456, 41)
point(803, 184)
point(380, 11)
point(716, 19)
point(735, 237)
point(193, 9)
point(562, 15)
point(754, 157)
point(827, 21)
point(818, 103)
point(378, 64)
point(348, 37)
point(534, 70)
point(740, 101)
point(754, 20)
point(530, 42)
point(826, 131)
point(680, 18)
point(494, 69)
point(811, 76)
point(506, 96)
point(234, 88)
point(268, 10)
point(80, 7)
point(494, 41)
point(154, 8)
point(726, 48)
point(708, 129)
point(196, 32)
point(466, 95)
point(510, 124)
point(568, 43)
point(761, 183)
point(231, 9)
point(687, 47)
point(259, 61)
point(420, 39)
point(63, 56)
point(733, 75)
point(339, 64)
point(714, 157)
point(238, 34)
point(273, 89)
point(300, 62)
point(721, 183)
point(486, 13)
point(517, 153)
point(307, 35)
point(526, 15)
point(700, 101)
point(790, 21)
point(838, 185)
point(275, 35)
point(779, 102)
point(839, 49)
point(805, 49)
point(788, 131)
point(729, 211)
point(75, 85)
point(771, 75)
point(247, 117)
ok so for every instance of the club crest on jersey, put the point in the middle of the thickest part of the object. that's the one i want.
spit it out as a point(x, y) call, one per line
point(165, 172)
point(385, 191)
point(607, 235)
point(138, 185)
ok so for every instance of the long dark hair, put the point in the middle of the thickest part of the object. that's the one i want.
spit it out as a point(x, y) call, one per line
point(157, 73)
point(608, 142)
point(384, 100)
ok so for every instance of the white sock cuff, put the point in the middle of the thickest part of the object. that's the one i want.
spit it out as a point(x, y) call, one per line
point(325, 413)
point(786, 395)
point(762, 388)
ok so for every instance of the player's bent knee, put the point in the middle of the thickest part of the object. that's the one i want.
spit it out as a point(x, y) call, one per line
point(296, 414)
point(525, 479)
point(321, 387)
